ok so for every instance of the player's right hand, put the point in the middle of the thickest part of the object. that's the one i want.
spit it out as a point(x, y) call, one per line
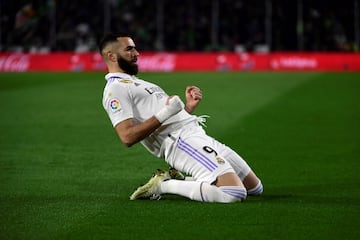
point(175, 104)
point(172, 107)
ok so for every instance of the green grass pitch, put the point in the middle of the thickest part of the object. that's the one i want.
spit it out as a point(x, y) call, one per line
point(65, 175)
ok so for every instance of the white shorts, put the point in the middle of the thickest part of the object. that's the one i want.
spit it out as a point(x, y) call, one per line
point(195, 153)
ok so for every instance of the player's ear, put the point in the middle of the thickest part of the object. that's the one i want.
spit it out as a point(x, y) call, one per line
point(111, 56)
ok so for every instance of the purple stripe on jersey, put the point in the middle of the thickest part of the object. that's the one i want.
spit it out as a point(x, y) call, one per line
point(193, 153)
point(198, 156)
point(197, 153)
point(113, 78)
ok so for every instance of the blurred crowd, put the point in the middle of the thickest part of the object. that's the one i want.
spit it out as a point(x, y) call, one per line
point(174, 25)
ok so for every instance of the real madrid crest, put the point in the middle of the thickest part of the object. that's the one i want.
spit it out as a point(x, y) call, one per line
point(219, 160)
point(125, 81)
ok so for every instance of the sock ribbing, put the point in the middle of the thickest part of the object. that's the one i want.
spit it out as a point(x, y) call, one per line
point(256, 191)
point(235, 191)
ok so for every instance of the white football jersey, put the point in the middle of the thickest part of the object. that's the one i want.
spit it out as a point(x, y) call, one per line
point(127, 97)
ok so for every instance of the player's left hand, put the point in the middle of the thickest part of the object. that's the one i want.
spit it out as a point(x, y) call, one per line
point(193, 97)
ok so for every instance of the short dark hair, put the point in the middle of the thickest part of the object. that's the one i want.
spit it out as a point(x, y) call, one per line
point(110, 38)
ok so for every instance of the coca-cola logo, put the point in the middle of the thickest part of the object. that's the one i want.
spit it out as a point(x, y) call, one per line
point(14, 63)
point(294, 62)
point(158, 62)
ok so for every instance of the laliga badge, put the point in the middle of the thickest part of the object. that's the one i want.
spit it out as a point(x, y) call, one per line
point(115, 105)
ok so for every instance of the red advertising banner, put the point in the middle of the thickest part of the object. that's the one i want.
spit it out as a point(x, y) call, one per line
point(185, 61)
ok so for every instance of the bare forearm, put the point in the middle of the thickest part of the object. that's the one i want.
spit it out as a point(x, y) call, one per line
point(189, 108)
point(134, 133)
point(131, 133)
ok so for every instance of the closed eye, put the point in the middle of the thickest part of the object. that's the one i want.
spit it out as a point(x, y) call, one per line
point(129, 48)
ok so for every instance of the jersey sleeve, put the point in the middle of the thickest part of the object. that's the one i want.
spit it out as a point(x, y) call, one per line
point(117, 103)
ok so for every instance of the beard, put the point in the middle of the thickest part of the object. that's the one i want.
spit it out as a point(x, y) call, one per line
point(128, 67)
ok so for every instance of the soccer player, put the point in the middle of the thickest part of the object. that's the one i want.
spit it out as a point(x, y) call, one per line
point(141, 111)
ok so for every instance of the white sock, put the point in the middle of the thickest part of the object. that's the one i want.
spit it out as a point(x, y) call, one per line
point(203, 192)
point(256, 191)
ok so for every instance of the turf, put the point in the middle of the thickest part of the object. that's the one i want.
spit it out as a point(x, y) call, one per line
point(65, 175)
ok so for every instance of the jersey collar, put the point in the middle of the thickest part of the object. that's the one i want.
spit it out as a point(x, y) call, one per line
point(118, 75)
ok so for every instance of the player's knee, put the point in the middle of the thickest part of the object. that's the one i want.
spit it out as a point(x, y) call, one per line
point(257, 190)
